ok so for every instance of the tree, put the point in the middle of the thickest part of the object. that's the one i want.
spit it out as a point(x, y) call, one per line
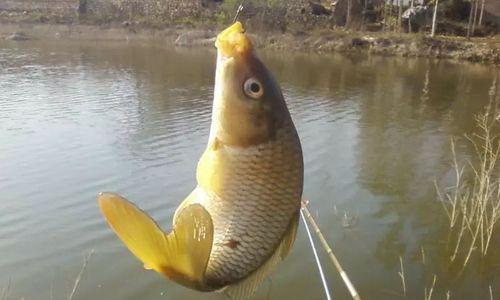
point(348, 15)
point(481, 14)
point(471, 13)
point(409, 19)
point(385, 17)
point(365, 7)
point(476, 2)
point(434, 17)
point(400, 13)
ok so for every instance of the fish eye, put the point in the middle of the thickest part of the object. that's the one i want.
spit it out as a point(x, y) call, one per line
point(253, 88)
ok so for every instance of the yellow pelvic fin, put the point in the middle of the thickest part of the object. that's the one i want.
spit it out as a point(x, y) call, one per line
point(247, 287)
point(182, 255)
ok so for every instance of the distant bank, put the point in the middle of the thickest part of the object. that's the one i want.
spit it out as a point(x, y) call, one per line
point(370, 27)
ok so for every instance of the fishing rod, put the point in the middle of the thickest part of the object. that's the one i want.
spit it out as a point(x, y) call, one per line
point(318, 262)
point(329, 251)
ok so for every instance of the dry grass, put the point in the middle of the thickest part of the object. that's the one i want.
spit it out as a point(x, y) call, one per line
point(5, 292)
point(401, 274)
point(473, 206)
point(428, 294)
point(76, 284)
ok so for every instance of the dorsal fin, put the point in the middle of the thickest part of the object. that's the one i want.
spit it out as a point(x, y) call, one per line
point(182, 255)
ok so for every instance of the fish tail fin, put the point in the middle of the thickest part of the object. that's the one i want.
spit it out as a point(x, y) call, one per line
point(181, 255)
point(247, 287)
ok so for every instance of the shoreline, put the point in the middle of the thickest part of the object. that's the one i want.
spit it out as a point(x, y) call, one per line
point(482, 50)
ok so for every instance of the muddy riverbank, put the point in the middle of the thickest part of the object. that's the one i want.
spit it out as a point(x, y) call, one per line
point(484, 49)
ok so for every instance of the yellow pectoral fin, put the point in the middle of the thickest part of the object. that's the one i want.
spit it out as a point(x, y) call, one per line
point(247, 287)
point(181, 255)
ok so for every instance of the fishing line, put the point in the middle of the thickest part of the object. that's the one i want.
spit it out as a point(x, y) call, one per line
point(318, 263)
point(329, 251)
point(238, 11)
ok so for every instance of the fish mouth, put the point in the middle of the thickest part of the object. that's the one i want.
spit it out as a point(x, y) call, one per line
point(233, 41)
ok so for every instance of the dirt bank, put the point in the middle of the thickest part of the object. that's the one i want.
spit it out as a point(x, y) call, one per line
point(485, 50)
point(292, 25)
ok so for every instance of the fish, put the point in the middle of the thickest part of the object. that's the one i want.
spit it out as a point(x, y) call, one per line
point(241, 219)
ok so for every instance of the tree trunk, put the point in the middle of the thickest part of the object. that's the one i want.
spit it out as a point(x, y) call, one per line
point(481, 14)
point(348, 15)
point(392, 10)
point(400, 13)
point(434, 17)
point(385, 17)
point(409, 18)
point(389, 18)
point(476, 4)
point(365, 5)
point(469, 26)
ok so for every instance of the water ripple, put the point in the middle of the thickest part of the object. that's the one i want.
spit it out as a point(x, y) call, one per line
point(77, 119)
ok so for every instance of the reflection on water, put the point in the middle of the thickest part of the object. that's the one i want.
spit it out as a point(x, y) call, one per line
point(79, 118)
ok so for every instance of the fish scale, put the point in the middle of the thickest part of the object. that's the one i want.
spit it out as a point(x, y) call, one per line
point(261, 193)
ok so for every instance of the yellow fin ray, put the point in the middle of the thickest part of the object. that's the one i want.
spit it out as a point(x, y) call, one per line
point(247, 287)
point(182, 255)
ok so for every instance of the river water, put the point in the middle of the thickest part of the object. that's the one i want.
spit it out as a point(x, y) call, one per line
point(77, 118)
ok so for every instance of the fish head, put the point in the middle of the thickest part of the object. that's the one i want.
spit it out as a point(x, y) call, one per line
point(248, 106)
